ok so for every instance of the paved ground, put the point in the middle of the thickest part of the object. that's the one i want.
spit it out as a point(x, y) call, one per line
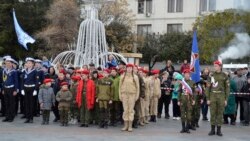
point(162, 130)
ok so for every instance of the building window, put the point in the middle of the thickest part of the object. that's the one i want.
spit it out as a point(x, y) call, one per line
point(179, 5)
point(140, 6)
point(174, 28)
point(149, 6)
point(207, 5)
point(212, 5)
point(143, 30)
point(171, 5)
point(175, 6)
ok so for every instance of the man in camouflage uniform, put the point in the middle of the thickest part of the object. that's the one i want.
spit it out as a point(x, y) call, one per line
point(104, 97)
point(186, 101)
point(217, 94)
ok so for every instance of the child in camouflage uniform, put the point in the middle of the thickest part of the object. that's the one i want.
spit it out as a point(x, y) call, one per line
point(64, 98)
point(104, 97)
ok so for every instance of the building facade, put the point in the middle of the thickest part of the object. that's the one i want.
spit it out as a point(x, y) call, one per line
point(164, 16)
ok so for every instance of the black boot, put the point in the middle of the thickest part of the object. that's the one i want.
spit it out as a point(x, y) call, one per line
point(101, 124)
point(105, 124)
point(27, 121)
point(192, 126)
point(197, 125)
point(5, 120)
point(154, 118)
point(151, 119)
point(187, 128)
point(183, 127)
point(212, 132)
point(135, 123)
point(219, 131)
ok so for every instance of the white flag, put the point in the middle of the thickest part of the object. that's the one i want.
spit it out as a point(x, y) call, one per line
point(23, 37)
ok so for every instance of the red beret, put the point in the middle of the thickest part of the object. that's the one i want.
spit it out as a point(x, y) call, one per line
point(106, 70)
point(129, 65)
point(100, 76)
point(155, 71)
point(186, 71)
point(78, 71)
point(113, 68)
point(47, 81)
point(135, 66)
point(121, 71)
point(63, 71)
point(76, 78)
point(145, 71)
point(85, 72)
point(217, 62)
point(64, 83)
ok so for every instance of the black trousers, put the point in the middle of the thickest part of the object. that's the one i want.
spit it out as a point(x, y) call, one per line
point(231, 116)
point(204, 108)
point(176, 108)
point(115, 110)
point(2, 104)
point(10, 103)
point(239, 103)
point(22, 104)
point(164, 100)
point(56, 111)
point(246, 105)
point(29, 102)
point(36, 106)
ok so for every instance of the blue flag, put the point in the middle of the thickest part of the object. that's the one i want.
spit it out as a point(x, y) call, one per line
point(23, 37)
point(195, 62)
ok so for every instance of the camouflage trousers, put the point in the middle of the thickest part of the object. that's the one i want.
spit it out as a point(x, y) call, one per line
point(186, 111)
point(217, 107)
point(64, 114)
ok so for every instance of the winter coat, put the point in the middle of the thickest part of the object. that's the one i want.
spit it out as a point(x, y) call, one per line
point(246, 89)
point(231, 105)
point(47, 97)
point(64, 98)
point(90, 93)
point(115, 87)
point(166, 87)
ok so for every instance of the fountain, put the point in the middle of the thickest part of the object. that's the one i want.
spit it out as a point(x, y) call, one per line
point(91, 46)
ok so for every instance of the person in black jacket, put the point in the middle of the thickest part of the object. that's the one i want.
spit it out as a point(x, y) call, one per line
point(169, 68)
point(165, 98)
point(246, 102)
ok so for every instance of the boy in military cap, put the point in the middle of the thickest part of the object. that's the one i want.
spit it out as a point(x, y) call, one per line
point(217, 95)
point(186, 101)
point(64, 97)
point(46, 99)
point(104, 94)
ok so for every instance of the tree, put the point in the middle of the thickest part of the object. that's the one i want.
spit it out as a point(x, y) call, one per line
point(151, 50)
point(30, 15)
point(63, 17)
point(216, 30)
point(176, 46)
point(169, 46)
point(118, 20)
